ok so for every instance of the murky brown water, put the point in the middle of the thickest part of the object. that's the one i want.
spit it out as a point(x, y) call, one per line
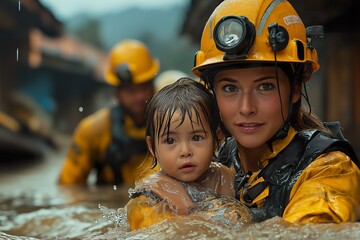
point(32, 206)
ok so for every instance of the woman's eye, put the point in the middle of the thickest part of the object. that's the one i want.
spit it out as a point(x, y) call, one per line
point(266, 87)
point(229, 88)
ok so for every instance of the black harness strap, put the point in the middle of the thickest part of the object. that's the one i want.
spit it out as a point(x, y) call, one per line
point(122, 147)
point(284, 170)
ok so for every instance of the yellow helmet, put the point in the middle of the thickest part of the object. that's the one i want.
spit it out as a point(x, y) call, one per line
point(130, 61)
point(251, 31)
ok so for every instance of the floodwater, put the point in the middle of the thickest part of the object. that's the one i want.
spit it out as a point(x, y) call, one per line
point(32, 206)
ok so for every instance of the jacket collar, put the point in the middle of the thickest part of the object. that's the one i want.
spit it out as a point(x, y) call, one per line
point(277, 146)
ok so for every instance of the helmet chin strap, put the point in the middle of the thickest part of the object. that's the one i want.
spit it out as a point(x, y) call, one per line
point(281, 134)
point(283, 131)
point(294, 78)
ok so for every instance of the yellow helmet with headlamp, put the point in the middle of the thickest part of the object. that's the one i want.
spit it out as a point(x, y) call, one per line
point(130, 62)
point(255, 31)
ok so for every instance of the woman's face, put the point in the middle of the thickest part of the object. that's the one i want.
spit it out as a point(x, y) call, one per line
point(250, 105)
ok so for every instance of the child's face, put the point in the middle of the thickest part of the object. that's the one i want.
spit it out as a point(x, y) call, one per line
point(187, 151)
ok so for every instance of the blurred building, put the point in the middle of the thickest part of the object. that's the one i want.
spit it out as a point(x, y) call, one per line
point(335, 90)
point(48, 80)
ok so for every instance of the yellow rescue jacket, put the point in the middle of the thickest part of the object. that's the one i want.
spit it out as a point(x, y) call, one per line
point(148, 207)
point(325, 189)
point(90, 149)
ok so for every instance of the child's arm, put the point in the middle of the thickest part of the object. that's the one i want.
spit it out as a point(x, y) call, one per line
point(143, 211)
point(220, 179)
point(169, 199)
point(167, 189)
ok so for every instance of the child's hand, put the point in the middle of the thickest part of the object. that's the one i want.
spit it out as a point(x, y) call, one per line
point(169, 190)
point(220, 179)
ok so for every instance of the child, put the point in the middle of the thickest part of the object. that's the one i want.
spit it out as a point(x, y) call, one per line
point(181, 134)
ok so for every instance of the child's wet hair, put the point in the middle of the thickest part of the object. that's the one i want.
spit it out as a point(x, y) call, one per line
point(184, 95)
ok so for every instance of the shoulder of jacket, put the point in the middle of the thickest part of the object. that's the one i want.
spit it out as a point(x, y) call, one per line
point(99, 117)
point(95, 123)
point(323, 143)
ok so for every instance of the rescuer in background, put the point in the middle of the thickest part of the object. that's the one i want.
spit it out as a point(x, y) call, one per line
point(112, 140)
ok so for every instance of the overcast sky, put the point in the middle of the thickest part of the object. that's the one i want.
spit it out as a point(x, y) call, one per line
point(67, 8)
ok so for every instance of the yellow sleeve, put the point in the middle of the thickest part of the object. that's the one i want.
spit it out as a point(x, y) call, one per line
point(143, 211)
point(90, 141)
point(140, 166)
point(328, 190)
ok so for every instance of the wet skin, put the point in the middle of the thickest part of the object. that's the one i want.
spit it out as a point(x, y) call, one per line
point(134, 99)
point(251, 109)
point(186, 153)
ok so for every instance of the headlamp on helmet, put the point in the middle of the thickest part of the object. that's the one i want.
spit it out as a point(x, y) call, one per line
point(234, 35)
point(123, 73)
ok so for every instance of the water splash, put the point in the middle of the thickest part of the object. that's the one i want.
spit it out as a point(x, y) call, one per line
point(117, 217)
point(34, 216)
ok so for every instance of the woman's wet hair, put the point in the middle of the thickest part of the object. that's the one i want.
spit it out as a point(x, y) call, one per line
point(301, 118)
point(189, 98)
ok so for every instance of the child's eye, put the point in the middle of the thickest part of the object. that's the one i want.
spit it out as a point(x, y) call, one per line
point(266, 87)
point(197, 138)
point(169, 141)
